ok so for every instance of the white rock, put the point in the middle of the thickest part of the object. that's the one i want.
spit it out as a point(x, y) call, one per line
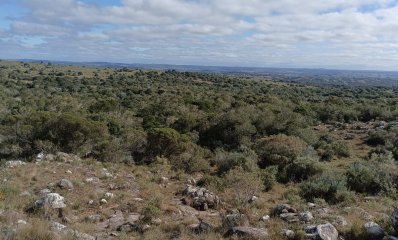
point(69, 172)
point(55, 226)
point(103, 201)
point(21, 222)
point(108, 195)
point(305, 216)
point(91, 202)
point(52, 200)
point(265, 218)
point(14, 164)
point(138, 199)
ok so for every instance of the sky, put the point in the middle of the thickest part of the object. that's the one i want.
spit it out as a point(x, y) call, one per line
point(342, 34)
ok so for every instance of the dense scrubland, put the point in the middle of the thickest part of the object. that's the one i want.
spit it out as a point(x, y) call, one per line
point(249, 144)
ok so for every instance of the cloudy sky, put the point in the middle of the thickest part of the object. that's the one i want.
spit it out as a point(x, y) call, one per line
point(346, 34)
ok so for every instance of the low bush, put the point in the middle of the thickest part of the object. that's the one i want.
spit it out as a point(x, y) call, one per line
point(330, 187)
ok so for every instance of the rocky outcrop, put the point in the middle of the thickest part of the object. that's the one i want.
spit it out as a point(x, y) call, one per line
point(374, 231)
point(322, 232)
point(51, 200)
point(394, 219)
point(247, 232)
point(14, 164)
point(65, 184)
point(235, 220)
point(200, 198)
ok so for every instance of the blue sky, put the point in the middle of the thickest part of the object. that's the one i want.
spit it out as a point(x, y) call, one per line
point(355, 34)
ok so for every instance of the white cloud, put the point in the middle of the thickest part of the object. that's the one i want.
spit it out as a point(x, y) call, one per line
point(334, 33)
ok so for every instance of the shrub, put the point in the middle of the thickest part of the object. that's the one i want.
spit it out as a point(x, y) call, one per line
point(225, 161)
point(244, 186)
point(39, 230)
point(279, 150)
point(151, 210)
point(299, 170)
point(330, 187)
point(370, 179)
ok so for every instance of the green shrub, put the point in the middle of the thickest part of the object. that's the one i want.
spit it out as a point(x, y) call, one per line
point(330, 187)
point(279, 150)
point(151, 210)
point(370, 179)
point(299, 170)
point(225, 161)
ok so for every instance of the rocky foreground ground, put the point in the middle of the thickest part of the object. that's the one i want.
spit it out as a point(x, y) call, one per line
point(64, 197)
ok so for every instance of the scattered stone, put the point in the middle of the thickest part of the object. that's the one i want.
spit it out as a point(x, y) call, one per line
point(289, 217)
point(145, 227)
point(81, 236)
point(323, 232)
point(15, 164)
point(202, 199)
point(105, 173)
point(247, 232)
point(305, 216)
point(21, 222)
point(202, 227)
point(55, 226)
point(68, 172)
point(288, 233)
point(311, 205)
point(103, 201)
point(156, 221)
point(128, 227)
point(65, 184)
point(235, 220)
point(52, 200)
point(108, 195)
point(44, 191)
point(93, 218)
point(116, 220)
point(133, 217)
point(283, 208)
point(374, 231)
point(253, 199)
point(265, 218)
point(93, 180)
point(91, 202)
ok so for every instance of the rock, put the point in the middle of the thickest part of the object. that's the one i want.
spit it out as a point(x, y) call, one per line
point(81, 236)
point(108, 195)
point(202, 199)
point(55, 226)
point(128, 227)
point(288, 233)
point(323, 232)
point(65, 184)
point(283, 208)
point(265, 218)
point(44, 191)
point(91, 202)
point(93, 218)
point(202, 227)
point(93, 180)
point(247, 232)
point(52, 200)
point(311, 205)
point(156, 221)
point(138, 199)
point(253, 199)
point(14, 164)
point(103, 201)
point(289, 217)
point(305, 216)
point(145, 227)
point(68, 172)
point(133, 217)
point(394, 219)
point(21, 222)
point(105, 173)
point(235, 220)
point(116, 220)
point(374, 231)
